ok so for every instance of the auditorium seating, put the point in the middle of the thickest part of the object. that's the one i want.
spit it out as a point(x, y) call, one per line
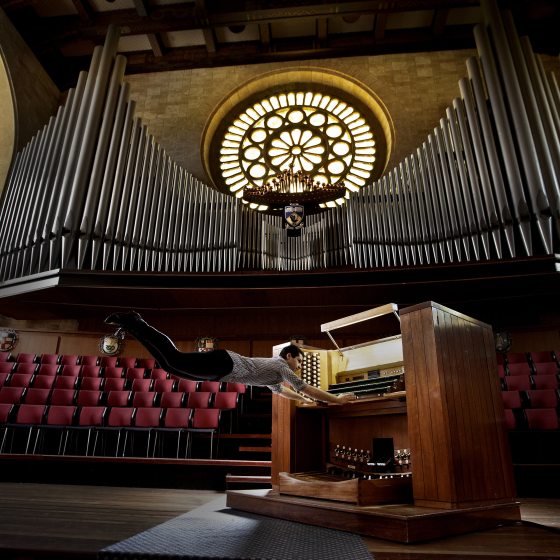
point(531, 390)
point(67, 395)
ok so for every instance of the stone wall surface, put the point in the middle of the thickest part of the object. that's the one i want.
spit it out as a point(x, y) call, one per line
point(415, 88)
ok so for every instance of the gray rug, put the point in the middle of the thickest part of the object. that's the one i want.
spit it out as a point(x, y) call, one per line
point(214, 531)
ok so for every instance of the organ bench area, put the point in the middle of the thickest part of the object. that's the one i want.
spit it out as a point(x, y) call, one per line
point(456, 475)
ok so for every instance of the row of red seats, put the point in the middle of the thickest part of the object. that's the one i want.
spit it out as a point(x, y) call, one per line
point(529, 357)
point(539, 398)
point(74, 359)
point(536, 368)
point(35, 419)
point(83, 370)
point(532, 409)
point(530, 382)
point(87, 397)
point(136, 383)
point(532, 419)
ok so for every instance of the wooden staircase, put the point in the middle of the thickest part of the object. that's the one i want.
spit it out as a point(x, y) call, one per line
point(252, 440)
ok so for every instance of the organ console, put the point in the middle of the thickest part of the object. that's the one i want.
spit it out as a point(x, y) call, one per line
point(430, 452)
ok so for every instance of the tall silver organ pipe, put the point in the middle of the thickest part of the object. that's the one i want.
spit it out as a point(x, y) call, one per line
point(94, 190)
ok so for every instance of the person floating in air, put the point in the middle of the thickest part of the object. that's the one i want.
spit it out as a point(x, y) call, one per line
point(225, 365)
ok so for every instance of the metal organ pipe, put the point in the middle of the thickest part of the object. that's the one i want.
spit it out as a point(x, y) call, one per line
point(77, 134)
point(93, 114)
point(481, 173)
point(528, 153)
point(103, 160)
point(489, 144)
point(505, 140)
point(544, 136)
point(111, 189)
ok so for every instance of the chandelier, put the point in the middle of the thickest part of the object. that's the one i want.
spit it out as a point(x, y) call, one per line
point(289, 187)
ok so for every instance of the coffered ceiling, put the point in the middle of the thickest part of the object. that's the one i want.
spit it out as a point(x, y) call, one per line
point(160, 35)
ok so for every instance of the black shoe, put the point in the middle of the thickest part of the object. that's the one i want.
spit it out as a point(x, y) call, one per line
point(123, 319)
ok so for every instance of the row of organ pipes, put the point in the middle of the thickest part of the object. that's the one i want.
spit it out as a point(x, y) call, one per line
point(93, 190)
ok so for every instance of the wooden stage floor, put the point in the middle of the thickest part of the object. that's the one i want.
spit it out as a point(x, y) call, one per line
point(76, 521)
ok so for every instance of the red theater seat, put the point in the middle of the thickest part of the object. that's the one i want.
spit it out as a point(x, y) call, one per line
point(519, 369)
point(127, 362)
point(114, 384)
point(210, 386)
point(88, 360)
point(25, 368)
point(66, 381)
point(110, 372)
point(47, 369)
point(6, 367)
point(107, 361)
point(176, 421)
point(141, 385)
point(135, 373)
point(11, 395)
point(187, 386)
point(164, 385)
point(199, 399)
point(29, 417)
point(88, 398)
point(91, 418)
point(119, 419)
point(147, 363)
point(519, 383)
point(173, 399)
point(26, 357)
point(71, 370)
point(44, 381)
point(63, 396)
point(21, 379)
point(90, 371)
point(119, 398)
point(542, 418)
point(37, 396)
point(91, 383)
point(59, 418)
point(205, 421)
point(68, 359)
point(158, 373)
point(144, 399)
point(49, 359)
point(546, 382)
point(547, 368)
point(146, 420)
point(542, 398)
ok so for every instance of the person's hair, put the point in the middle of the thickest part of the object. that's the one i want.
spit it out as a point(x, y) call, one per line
point(292, 349)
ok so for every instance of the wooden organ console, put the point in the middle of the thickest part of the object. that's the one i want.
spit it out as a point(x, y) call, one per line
point(406, 464)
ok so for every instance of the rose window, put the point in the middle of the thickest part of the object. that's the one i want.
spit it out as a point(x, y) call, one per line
point(316, 134)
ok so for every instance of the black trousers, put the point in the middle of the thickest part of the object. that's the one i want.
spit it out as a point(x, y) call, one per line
point(210, 366)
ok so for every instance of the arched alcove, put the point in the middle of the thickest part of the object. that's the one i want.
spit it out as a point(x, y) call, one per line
point(7, 130)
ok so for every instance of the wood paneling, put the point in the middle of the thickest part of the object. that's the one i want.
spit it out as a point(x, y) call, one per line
point(455, 416)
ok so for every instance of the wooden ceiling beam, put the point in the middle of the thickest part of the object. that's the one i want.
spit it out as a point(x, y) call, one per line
point(190, 16)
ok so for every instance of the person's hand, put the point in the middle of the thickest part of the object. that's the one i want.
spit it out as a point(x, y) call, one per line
point(346, 397)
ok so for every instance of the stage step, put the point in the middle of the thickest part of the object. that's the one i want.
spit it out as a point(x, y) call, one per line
point(234, 481)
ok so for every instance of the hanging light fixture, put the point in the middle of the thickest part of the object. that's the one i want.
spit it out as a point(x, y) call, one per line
point(291, 186)
point(295, 194)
